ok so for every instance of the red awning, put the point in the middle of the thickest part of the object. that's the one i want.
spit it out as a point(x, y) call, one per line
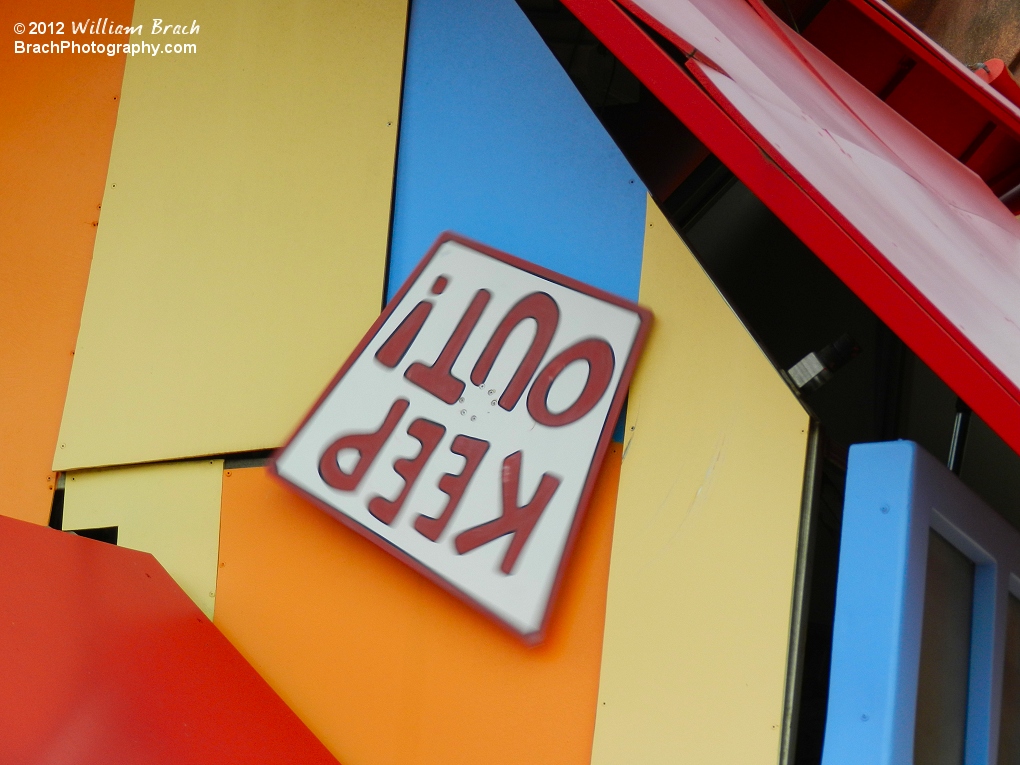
point(921, 82)
point(914, 233)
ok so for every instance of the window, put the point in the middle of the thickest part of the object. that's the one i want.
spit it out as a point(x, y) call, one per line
point(926, 642)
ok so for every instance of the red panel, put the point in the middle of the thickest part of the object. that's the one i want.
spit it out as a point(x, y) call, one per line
point(855, 42)
point(104, 659)
point(918, 237)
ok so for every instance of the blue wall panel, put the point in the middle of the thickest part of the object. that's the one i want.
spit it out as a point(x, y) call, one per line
point(498, 145)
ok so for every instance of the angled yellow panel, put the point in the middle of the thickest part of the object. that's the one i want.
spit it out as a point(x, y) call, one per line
point(241, 250)
point(170, 510)
point(705, 542)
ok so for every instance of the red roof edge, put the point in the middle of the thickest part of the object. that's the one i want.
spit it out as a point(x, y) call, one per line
point(950, 354)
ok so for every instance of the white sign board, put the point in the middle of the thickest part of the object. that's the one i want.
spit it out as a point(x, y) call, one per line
point(465, 432)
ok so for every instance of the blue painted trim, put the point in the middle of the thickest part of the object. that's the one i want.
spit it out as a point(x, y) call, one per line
point(876, 635)
point(620, 431)
point(497, 144)
point(895, 493)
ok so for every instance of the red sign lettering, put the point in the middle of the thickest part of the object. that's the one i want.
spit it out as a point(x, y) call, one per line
point(459, 445)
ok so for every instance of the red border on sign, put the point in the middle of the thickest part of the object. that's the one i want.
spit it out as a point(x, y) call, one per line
point(612, 416)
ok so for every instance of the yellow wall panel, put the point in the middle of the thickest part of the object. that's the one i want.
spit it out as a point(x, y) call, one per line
point(705, 540)
point(241, 252)
point(170, 510)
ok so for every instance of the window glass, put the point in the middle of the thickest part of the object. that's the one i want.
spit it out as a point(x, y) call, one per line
point(1009, 733)
point(945, 655)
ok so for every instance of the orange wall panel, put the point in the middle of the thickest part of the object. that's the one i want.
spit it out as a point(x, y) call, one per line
point(57, 114)
point(387, 668)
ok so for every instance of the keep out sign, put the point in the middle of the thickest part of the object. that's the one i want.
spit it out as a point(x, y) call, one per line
point(466, 431)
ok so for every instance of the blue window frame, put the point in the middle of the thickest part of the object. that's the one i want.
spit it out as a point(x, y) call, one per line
point(896, 496)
